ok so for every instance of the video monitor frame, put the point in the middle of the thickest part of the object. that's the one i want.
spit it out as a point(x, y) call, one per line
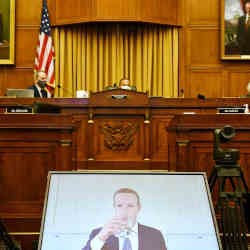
point(172, 208)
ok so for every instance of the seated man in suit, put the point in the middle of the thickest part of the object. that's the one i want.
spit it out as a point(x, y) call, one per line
point(123, 232)
point(125, 84)
point(40, 84)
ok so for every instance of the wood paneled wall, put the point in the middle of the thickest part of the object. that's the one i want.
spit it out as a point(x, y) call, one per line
point(20, 75)
point(201, 69)
point(28, 13)
point(77, 11)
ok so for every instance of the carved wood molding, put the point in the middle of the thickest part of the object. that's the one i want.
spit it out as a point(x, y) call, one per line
point(119, 136)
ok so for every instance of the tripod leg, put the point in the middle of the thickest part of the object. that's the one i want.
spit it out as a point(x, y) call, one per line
point(222, 183)
point(237, 227)
point(230, 205)
point(234, 232)
point(232, 183)
point(227, 231)
point(4, 236)
point(243, 225)
point(243, 181)
point(212, 179)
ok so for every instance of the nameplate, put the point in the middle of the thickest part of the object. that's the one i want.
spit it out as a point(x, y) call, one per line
point(119, 97)
point(189, 113)
point(231, 110)
point(19, 110)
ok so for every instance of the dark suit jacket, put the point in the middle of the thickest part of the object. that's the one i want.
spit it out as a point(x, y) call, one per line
point(148, 238)
point(243, 36)
point(36, 91)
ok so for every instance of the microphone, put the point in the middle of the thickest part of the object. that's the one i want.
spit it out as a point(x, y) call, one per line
point(201, 97)
point(182, 93)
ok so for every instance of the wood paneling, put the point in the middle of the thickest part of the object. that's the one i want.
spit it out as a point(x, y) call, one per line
point(158, 11)
point(18, 78)
point(69, 9)
point(155, 11)
point(26, 38)
point(200, 157)
point(17, 163)
point(28, 12)
point(52, 10)
point(159, 138)
point(197, 132)
point(239, 89)
point(205, 82)
point(30, 146)
point(199, 39)
point(117, 10)
point(27, 28)
point(198, 13)
point(203, 49)
point(86, 9)
point(28, 21)
point(2, 81)
point(200, 49)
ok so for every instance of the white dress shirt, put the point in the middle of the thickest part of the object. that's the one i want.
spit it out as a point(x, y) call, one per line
point(127, 87)
point(97, 243)
point(247, 19)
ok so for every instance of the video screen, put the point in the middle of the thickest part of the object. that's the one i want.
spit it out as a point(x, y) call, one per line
point(126, 210)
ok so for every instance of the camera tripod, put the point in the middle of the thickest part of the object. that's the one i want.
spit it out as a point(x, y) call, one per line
point(232, 194)
point(6, 239)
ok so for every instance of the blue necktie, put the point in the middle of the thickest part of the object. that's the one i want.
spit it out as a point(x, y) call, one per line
point(127, 244)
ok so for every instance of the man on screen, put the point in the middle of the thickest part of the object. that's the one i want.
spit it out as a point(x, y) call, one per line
point(122, 231)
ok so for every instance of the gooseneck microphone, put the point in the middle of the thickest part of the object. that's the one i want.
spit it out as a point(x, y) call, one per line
point(201, 97)
point(182, 93)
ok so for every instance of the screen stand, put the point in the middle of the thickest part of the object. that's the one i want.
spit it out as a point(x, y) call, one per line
point(232, 194)
point(6, 239)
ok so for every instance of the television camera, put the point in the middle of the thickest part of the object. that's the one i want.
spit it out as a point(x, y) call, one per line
point(233, 200)
point(225, 155)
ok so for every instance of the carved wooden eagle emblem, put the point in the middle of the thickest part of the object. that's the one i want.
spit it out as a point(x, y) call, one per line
point(119, 136)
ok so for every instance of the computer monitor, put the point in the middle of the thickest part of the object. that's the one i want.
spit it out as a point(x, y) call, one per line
point(23, 93)
point(170, 211)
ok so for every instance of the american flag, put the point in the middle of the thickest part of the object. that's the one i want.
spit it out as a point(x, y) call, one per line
point(45, 51)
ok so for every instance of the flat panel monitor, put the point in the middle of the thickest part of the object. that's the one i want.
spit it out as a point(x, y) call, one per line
point(22, 93)
point(150, 210)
